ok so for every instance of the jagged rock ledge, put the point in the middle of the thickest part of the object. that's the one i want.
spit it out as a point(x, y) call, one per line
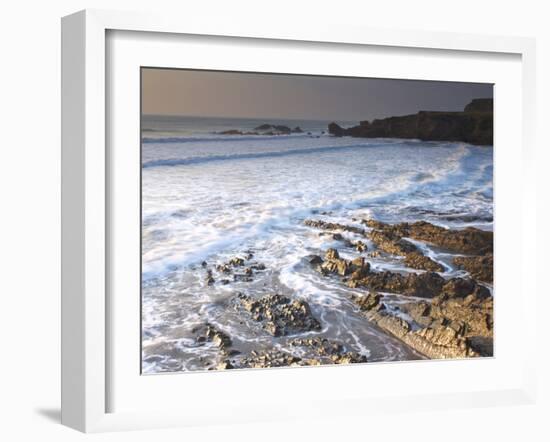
point(469, 240)
point(474, 125)
point(279, 315)
point(448, 327)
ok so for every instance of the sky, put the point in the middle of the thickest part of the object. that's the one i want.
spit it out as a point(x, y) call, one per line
point(281, 96)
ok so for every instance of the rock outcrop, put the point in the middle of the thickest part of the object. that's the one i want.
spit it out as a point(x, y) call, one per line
point(240, 267)
point(327, 350)
point(391, 238)
point(357, 268)
point(391, 242)
point(455, 318)
point(436, 315)
point(423, 285)
point(264, 129)
point(417, 260)
point(279, 315)
point(207, 333)
point(435, 338)
point(473, 125)
point(469, 240)
point(313, 351)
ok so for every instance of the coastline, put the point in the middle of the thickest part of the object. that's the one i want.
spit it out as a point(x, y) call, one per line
point(312, 269)
point(436, 316)
point(473, 125)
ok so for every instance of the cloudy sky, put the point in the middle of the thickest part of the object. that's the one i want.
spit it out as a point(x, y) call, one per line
point(251, 95)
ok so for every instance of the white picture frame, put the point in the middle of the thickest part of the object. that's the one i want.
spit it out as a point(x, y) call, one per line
point(87, 315)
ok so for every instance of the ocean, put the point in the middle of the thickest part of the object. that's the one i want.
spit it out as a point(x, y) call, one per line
point(208, 197)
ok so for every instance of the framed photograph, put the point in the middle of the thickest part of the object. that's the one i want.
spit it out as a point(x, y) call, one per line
point(293, 212)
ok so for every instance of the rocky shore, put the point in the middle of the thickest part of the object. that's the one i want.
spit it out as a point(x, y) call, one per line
point(473, 125)
point(455, 317)
point(279, 316)
point(438, 316)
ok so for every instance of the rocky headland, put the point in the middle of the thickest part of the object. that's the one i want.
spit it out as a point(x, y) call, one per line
point(473, 125)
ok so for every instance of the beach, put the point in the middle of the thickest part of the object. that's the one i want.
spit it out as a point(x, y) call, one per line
point(268, 249)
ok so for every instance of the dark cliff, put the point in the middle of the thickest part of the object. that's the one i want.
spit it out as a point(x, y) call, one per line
point(473, 125)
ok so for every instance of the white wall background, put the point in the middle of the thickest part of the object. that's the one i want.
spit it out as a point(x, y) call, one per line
point(30, 220)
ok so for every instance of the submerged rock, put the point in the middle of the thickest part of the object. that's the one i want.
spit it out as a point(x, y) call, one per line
point(243, 277)
point(280, 315)
point(314, 259)
point(318, 224)
point(276, 129)
point(258, 267)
